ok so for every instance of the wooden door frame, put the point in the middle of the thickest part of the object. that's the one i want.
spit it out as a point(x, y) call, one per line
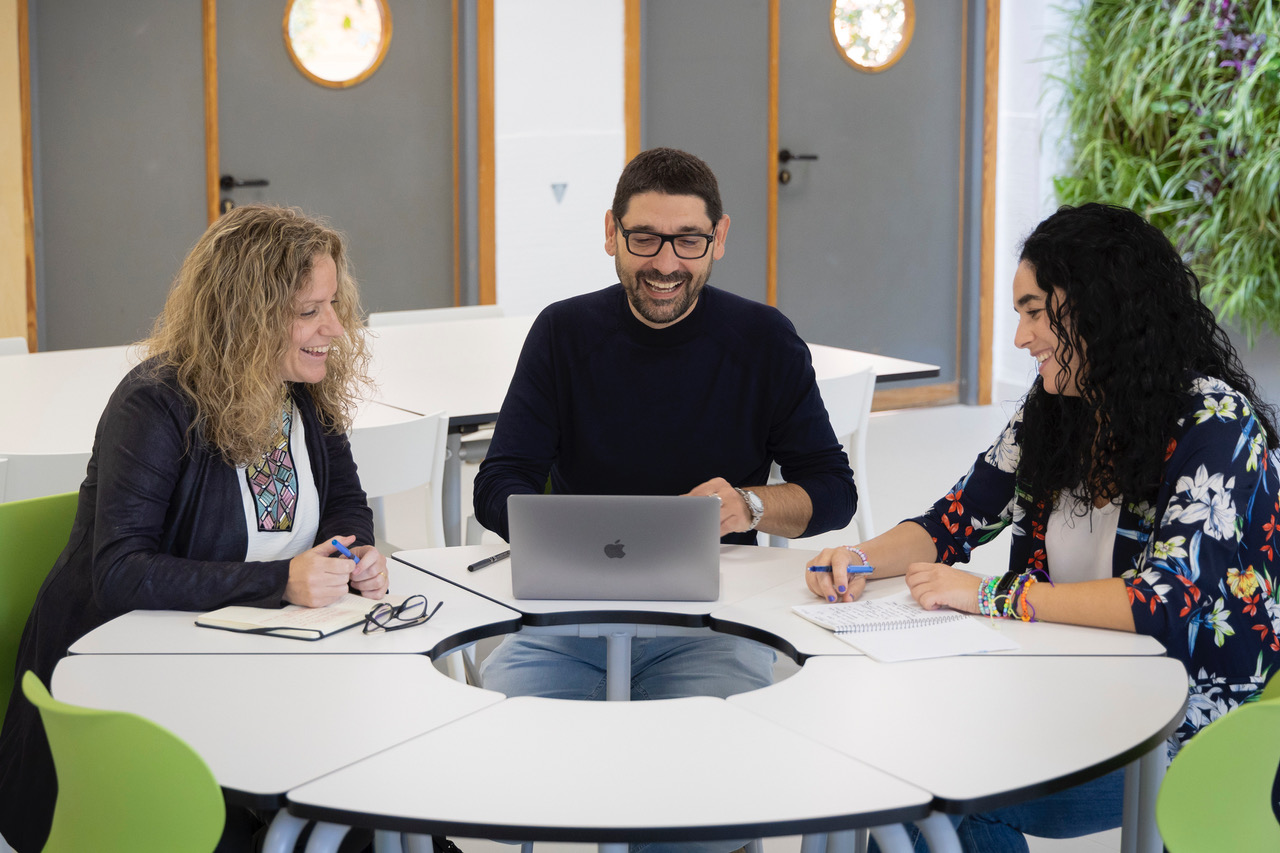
point(940, 393)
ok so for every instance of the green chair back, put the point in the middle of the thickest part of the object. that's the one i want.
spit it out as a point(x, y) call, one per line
point(1217, 793)
point(125, 783)
point(34, 532)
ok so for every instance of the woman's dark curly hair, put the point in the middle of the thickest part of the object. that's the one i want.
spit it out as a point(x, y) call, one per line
point(1130, 325)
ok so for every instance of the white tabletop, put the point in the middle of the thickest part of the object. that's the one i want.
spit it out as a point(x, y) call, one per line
point(463, 618)
point(267, 723)
point(982, 732)
point(767, 617)
point(745, 570)
point(676, 770)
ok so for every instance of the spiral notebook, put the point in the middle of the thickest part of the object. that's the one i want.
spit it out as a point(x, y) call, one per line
point(896, 629)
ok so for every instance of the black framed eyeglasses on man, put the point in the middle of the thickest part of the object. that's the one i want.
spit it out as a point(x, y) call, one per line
point(393, 617)
point(647, 244)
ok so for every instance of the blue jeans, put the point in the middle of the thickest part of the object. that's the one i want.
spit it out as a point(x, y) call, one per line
point(1083, 810)
point(661, 668)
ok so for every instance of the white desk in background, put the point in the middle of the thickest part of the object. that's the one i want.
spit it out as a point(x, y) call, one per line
point(66, 391)
point(464, 367)
point(267, 723)
point(463, 618)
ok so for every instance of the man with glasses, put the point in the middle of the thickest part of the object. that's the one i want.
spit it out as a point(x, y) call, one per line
point(663, 385)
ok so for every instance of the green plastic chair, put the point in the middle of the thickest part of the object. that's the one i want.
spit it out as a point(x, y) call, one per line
point(34, 532)
point(1217, 793)
point(125, 783)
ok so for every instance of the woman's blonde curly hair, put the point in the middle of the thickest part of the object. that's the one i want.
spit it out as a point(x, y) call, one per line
point(227, 325)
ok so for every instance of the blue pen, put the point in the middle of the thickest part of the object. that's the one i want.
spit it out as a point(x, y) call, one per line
point(344, 551)
point(853, 570)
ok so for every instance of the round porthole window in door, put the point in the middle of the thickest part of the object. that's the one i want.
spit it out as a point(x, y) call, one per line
point(872, 35)
point(337, 43)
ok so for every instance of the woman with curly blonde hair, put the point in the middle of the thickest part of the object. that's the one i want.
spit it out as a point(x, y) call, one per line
point(220, 471)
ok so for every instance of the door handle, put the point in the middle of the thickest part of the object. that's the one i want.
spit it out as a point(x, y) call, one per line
point(785, 156)
point(228, 182)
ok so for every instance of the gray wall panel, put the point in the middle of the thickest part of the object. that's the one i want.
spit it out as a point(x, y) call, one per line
point(706, 90)
point(120, 139)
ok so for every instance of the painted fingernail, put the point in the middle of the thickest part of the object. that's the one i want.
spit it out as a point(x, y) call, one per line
point(840, 588)
point(831, 598)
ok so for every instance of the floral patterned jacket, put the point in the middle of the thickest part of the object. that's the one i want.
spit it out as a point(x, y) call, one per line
point(1199, 566)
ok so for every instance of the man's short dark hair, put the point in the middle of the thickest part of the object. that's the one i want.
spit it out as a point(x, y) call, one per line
point(671, 172)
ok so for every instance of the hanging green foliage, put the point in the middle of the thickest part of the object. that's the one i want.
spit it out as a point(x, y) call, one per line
point(1173, 109)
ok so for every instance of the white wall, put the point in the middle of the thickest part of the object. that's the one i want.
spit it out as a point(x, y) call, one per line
point(1027, 157)
point(558, 119)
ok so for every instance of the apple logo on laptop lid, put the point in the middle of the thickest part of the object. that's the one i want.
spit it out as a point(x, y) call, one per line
point(614, 550)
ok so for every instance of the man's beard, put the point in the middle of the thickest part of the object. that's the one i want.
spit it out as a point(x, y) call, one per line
point(665, 311)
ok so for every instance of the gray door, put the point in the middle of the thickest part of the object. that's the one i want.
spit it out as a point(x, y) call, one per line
point(868, 234)
point(119, 143)
point(375, 159)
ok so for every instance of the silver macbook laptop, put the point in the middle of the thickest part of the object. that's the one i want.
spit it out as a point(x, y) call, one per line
point(615, 547)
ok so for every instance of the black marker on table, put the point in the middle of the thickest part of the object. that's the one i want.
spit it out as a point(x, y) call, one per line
point(489, 561)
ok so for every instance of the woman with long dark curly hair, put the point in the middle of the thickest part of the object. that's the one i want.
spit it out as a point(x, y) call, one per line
point(1138, 480)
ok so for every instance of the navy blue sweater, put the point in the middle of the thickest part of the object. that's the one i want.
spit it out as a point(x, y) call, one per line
point(604, 404)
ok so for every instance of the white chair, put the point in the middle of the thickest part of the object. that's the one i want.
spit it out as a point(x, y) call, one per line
point(397, 457)
point(394, 458)
point(434, 315)
point(36, 475)
point(13, 346)
point(848, 402)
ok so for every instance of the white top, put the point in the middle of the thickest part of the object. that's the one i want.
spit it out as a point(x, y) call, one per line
point(281, 544)
point(1079, 546)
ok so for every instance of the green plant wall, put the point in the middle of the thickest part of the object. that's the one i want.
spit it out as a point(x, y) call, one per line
point(1173, 109)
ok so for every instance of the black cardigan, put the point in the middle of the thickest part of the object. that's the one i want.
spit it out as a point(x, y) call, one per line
point(159, 526)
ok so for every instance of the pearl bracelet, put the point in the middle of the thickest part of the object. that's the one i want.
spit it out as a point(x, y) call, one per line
point(853, 549)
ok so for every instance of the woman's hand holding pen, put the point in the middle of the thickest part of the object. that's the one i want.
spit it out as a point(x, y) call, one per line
point(369, 574)
point(832, 575)
point(315, 578)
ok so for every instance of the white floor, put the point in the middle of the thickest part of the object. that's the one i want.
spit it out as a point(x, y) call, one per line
point(914, 457)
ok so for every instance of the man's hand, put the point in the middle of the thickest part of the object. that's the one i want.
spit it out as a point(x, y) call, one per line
point(735, 515)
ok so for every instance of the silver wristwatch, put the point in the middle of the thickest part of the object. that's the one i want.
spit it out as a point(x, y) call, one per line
point(754, 504)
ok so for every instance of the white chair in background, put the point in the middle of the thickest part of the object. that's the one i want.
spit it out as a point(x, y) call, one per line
point(36, 475)
point(394, 458)
point(397, 457)
point(848, 402)
point(434, 315)
point(13, 346)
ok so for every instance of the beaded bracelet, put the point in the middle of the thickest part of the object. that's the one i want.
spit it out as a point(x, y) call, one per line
point(987, 596)
point(854, 549)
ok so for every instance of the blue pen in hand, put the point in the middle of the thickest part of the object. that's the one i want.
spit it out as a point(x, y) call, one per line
point(853, 570)
point(344, 551)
